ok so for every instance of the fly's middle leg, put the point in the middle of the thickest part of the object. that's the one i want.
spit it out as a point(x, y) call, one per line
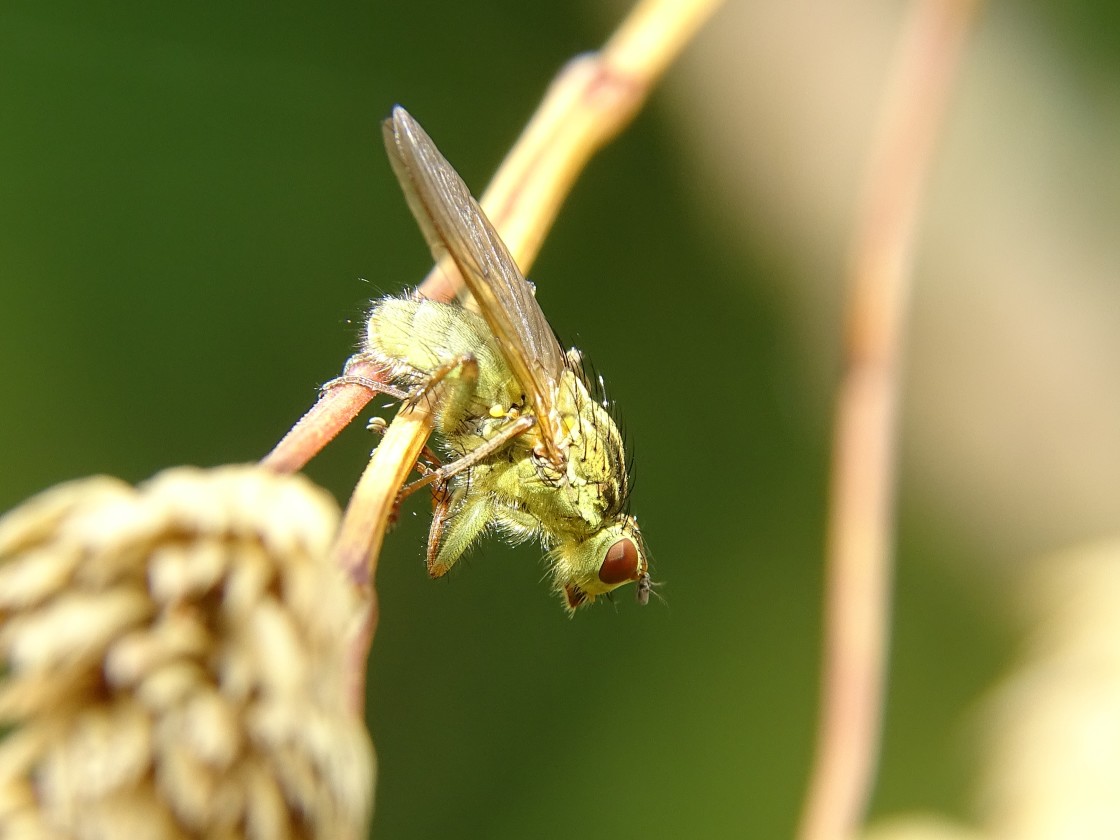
point(475, 456)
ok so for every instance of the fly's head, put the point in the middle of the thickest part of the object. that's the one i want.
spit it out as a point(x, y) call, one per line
point(583, 570)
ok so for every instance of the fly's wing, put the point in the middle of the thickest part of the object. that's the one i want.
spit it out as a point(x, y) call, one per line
point(455, 226)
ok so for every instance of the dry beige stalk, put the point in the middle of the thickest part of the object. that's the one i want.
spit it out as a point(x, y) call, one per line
point(187, 659)
point(174, 660)
point(589, 102)
point(858, 562)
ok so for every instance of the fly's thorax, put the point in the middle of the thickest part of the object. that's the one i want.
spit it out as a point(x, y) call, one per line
point(491, 420)
point(596, 461)
point(576, 498)
point(610, 558)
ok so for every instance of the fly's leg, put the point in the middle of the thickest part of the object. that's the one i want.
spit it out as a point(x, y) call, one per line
point(460, 373)
point(375, 385)
point(465, 366)
point(517, 427)
point(429, 461)
point(459, 376)
point(458, 520)
point(441, 512)
point(457, 523)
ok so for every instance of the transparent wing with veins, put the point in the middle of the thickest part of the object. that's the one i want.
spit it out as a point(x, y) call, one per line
point(455, 227)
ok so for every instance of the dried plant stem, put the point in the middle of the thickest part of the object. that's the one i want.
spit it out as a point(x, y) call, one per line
point(358, 544)
point(592, 99)
point(336, 407)
point(860, 526)
point(588, 103)
point(371, 508)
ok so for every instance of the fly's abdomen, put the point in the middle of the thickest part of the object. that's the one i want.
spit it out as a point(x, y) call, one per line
point(415, 337)
point(422, 335)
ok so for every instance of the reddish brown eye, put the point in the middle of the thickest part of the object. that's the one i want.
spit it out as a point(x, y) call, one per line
point(621, 562)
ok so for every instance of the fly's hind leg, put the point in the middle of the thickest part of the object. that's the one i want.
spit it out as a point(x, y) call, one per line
point(441, 513)
point(350, 378)
point(459, 518)
point(458, 378)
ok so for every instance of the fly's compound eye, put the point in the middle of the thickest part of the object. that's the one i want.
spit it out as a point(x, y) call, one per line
point(621, 563)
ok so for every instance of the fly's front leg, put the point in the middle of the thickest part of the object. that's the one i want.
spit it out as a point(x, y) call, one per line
point(428, 463)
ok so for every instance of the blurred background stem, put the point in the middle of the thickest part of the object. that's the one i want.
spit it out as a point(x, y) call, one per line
point(861, 518)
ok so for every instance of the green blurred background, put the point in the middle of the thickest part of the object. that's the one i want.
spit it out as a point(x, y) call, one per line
point(195, 209)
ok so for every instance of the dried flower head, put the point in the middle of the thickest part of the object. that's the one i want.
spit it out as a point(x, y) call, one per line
point(174, 662)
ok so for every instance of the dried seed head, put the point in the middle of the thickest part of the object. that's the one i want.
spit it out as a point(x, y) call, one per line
point(174, 662)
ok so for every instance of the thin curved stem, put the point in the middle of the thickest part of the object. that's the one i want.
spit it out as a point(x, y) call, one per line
point(590, 101)
point(861, 515)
